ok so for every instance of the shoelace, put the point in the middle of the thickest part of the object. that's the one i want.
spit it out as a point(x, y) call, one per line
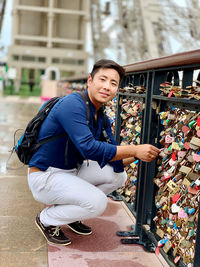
point(57, 231)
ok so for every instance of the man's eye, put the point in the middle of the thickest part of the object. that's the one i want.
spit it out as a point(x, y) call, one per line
point(114, 84)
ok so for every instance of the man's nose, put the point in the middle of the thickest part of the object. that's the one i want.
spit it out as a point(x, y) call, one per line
point(107, 85)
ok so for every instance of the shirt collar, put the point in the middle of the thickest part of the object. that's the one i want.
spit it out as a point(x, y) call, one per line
point(93, 108)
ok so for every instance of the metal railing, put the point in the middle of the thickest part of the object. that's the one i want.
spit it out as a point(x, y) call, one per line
point(178, 72)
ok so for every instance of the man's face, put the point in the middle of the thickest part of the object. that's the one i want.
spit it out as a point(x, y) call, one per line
point(103, 87)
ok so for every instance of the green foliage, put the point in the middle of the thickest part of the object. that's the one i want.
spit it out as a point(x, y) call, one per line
point(36, 90)
point(64, 74)
point(24, 90)
point(38, 75)
point(25, 78)
point(9, 90)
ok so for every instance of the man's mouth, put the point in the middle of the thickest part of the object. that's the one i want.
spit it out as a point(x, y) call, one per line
point(104, 94)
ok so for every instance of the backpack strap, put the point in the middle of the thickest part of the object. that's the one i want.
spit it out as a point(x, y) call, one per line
point(85, 98)
point(106, 138)
point(49, 139)
point(105, 123)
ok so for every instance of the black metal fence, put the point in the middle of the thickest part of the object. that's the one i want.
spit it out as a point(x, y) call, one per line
point(167, 201)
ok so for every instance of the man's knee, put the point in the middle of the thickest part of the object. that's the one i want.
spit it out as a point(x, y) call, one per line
point(121, 178)
point(99, 203)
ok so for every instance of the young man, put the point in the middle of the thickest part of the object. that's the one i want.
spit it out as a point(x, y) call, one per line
point(74, 174)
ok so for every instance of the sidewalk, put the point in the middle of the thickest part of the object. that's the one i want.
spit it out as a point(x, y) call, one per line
point(21, 243)
point(19, 99)
point(103, 247)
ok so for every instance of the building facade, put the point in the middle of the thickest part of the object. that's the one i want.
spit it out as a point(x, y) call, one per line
point(49, 33)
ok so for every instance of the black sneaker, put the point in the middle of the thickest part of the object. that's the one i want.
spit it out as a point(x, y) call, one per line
point(80, 228)
point(53, 234)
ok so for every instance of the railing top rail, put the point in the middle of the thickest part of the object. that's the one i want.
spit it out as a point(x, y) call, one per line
point(180, 59)
point(75, 78)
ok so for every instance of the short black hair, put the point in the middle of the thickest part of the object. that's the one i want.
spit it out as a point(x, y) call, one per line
point(107, 64)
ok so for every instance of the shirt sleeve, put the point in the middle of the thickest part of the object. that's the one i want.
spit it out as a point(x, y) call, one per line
point(71, 113)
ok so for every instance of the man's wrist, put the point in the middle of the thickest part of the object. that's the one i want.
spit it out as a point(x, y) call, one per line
point(134, 149)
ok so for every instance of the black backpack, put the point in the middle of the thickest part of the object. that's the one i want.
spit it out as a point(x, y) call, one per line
point(28, 143)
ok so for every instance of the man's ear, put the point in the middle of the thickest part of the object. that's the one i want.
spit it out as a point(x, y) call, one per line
point(89, 80)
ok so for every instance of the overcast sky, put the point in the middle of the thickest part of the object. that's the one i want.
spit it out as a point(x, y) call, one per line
point(6, 28)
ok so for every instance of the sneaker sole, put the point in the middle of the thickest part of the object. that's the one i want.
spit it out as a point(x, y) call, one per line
point(80, 233)
point(49, 242)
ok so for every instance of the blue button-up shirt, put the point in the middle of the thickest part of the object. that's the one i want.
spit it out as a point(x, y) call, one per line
point(69, 115)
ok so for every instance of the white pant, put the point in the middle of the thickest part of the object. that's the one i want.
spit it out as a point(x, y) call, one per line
point(74, 195)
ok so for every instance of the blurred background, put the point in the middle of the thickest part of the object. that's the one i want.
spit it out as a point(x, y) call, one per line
point(56, 39)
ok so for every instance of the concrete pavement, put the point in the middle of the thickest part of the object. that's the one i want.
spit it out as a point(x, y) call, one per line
point(20, 242)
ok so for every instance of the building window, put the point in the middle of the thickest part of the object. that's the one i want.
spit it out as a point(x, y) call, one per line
point(81, 62)
point(69, 61)
point(15, 57)
point(41, 59)
point(28, 58)
point(55, 60)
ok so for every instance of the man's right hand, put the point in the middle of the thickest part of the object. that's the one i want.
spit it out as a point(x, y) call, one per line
point(146, 152)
